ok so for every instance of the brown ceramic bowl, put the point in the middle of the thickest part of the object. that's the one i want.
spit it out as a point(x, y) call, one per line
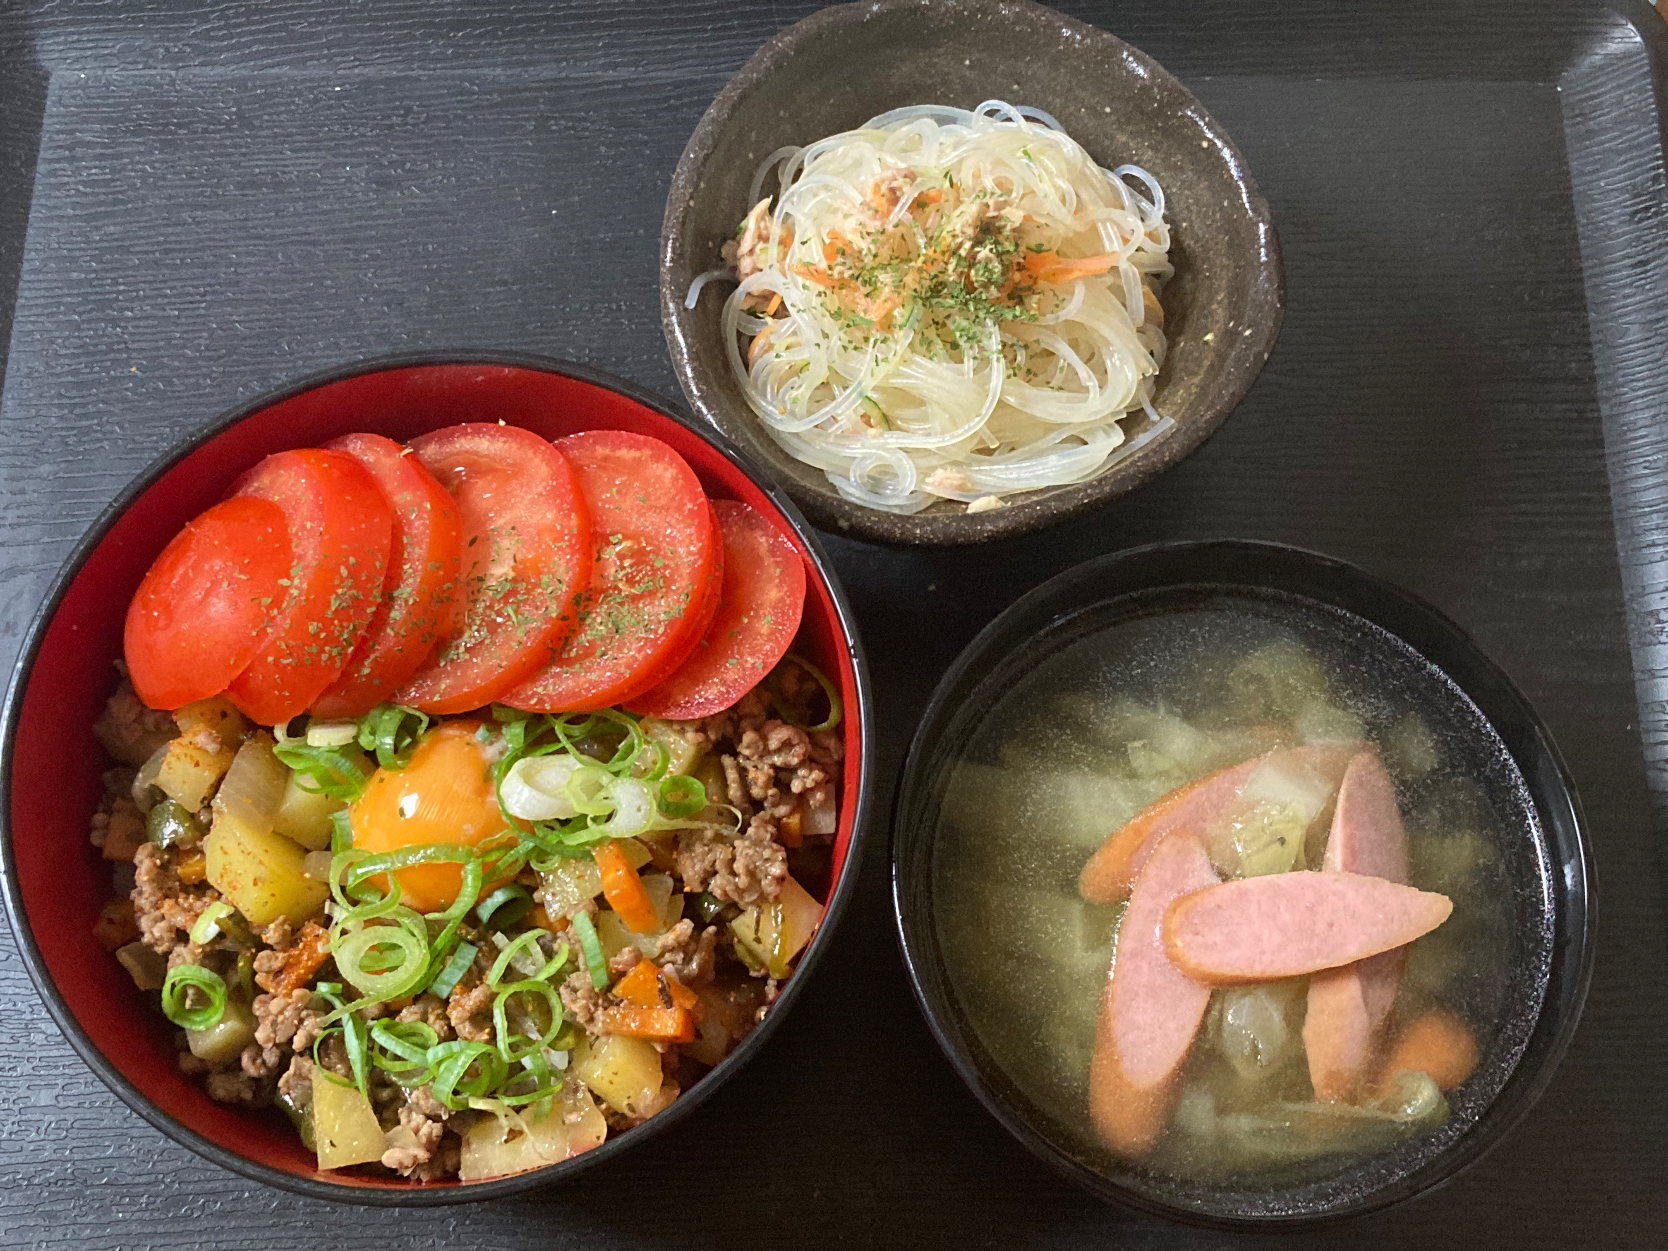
point(843, 65)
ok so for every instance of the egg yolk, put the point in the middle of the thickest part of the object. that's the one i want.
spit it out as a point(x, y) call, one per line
point(444, 795)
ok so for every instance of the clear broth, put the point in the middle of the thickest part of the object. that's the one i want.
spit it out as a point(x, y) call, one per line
point(1109, 722)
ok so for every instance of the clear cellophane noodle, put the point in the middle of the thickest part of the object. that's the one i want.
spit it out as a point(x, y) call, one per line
point(902, 415)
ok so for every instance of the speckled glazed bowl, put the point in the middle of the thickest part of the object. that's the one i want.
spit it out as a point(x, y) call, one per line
point(841, 66)
point(50, 764)
point(1493, 743)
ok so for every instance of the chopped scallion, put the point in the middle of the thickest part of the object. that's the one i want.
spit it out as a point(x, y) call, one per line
point(177, 990)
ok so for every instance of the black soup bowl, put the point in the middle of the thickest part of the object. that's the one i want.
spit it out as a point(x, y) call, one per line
point(1003, 954)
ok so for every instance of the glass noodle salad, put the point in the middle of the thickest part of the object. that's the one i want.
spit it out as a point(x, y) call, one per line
point(465, 907)
point(946, 305)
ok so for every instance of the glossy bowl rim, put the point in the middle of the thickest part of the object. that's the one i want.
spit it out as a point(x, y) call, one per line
point(416, 1194)
point(1246, 355)
point(1522, 1088)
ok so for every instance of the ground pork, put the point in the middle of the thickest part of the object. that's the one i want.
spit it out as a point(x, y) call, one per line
point(429, 1010)
point(128, 730)
point(687, 958)
point(744, 871)
point(423, 1117)
point(164, 907)
point(283, 1021)
point(469, 1008)
point(581, 1000)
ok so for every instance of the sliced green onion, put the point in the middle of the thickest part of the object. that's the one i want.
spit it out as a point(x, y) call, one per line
point(182, 979)
point(208, 922)
point(654, 770)
point(591, 948)
point(392, 731)
point(323, 770)
point(400, 1049)
point(331, 733)
point(682, 795)
point(452, 1062)
point(341, 831)
point(587, 791)
point(634, 808)
point(835, 707)
point(456, 967)
point(365, 958)
point(504, 907)
point(510, 950)
point(501, 1028)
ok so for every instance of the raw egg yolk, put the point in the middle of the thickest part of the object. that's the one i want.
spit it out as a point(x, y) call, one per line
point(444, 795)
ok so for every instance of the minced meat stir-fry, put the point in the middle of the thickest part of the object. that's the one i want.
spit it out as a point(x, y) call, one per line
point(468, 946)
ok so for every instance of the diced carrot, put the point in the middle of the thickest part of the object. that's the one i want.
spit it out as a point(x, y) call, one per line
point(659, 1024)
point(649, 986)
point(789, 830)
point(191, 869)
point(624, 890)
point(301, 959)
point(1078, 267)
point(1036, 262)
point(819, 276)
point(929, 197)
point(116, 926)
point(757, 347)
point(829, 252)
point(775, 303)
point(539, 917)
point(1438, 1044)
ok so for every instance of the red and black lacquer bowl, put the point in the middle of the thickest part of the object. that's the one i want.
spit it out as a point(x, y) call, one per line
point(55, 881)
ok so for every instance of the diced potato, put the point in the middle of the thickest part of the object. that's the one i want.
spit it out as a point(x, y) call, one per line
point(345, 1129)
point(224, 1041)
point(189, 772)
point(574, 1125)
point(614, 937)
point(254, 785)
point(215, 716)
point(261, 874)
point(635, 852)
point(569, 884)
point(624, 1073)
point(304, 815)
point(775, 933)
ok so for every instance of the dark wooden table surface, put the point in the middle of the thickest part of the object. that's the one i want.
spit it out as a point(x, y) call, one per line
point(200, 201)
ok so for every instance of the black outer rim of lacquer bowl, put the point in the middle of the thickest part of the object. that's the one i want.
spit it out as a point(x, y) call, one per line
point(1244, 565)
point(416, 1195)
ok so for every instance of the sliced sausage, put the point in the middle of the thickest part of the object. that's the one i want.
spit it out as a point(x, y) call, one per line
point(1149, 1012)
point(1287, 924)
point(1191, 806)
point(1348, 1005)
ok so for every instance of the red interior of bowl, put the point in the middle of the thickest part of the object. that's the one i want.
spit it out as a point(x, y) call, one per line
point(56, 766)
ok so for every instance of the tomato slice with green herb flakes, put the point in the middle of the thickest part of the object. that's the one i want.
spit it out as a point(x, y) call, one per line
point(655, 544)
point(758, 615)
point(420, 597)
point(527, 558)
point(206, 606)
point(340, 532)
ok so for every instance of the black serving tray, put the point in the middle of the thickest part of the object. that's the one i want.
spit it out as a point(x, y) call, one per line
point(201, 201)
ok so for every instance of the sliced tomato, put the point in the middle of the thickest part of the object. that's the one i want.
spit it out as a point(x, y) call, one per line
point(420, 598)
point(526, 561)
point(655, 541)
point(757, 617)
point(207, 605)
point(340, 532)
